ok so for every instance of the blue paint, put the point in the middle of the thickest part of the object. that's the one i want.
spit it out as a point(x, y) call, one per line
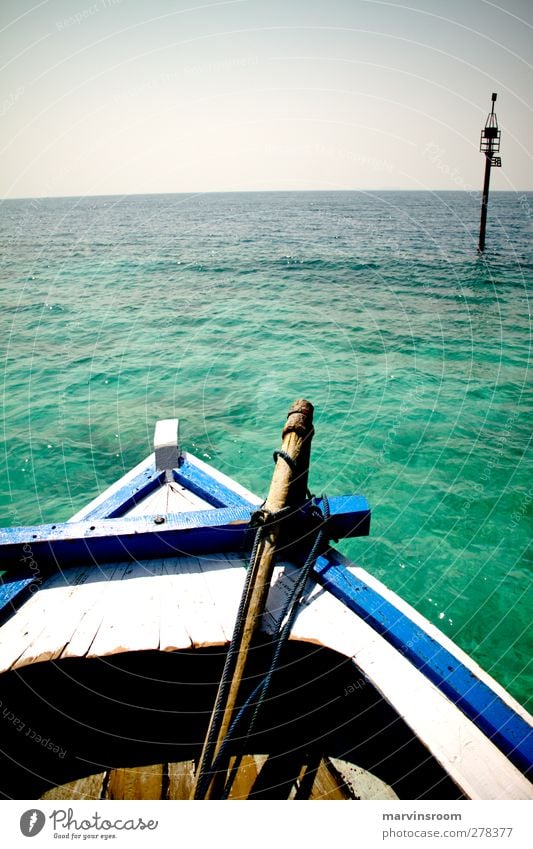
point(125, 538)
point(140, 537)
point(11, 589)
point(204, 486)
point(507, 730)
point(351, 516)
point(128, 495)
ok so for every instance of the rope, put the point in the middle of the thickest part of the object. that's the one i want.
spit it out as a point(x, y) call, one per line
point(290, 610)
point(291, 606)
point(260, 518)
point(288, 459)
point(225, 681)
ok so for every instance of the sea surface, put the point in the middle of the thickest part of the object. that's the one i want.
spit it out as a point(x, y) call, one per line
point(221, 309)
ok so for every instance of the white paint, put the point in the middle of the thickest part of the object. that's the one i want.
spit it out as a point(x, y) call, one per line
point(166, 444)
point(92, 602)
point(224, 581)
point(24, 628)
point(131, 618)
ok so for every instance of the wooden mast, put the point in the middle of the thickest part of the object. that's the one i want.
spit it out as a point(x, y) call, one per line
point(288, 487)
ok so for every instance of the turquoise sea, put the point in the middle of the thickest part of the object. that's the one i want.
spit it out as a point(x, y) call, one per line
point(222, 308)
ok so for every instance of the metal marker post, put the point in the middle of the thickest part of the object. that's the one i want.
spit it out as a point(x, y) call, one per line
point(489, 145)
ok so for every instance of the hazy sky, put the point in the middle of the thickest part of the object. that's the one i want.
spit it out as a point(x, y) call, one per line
point(135, 96)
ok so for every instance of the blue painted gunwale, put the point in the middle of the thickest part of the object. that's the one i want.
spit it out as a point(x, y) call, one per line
point(124, 498)
point(498, 721)
point(11, 590)
point(211, 490)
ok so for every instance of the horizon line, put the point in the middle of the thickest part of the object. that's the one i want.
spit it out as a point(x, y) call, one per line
point(262, 191)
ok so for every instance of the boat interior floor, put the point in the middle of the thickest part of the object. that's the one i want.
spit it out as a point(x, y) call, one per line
point(132, 725)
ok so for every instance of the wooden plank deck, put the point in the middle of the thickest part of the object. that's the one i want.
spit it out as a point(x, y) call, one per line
point(97, 611)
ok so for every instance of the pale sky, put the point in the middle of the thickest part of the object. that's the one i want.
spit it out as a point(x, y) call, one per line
point(140, 96)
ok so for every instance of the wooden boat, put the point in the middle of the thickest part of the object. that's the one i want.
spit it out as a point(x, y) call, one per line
point(115, 633)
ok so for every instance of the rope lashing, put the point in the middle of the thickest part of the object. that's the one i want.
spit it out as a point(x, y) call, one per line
point(290, 462)
point(288, 459)
point(261, 518)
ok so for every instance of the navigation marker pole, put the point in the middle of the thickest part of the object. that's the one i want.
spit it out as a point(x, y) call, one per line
point(489, 145)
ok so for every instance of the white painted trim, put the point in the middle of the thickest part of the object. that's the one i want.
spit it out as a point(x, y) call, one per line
point(199, 601)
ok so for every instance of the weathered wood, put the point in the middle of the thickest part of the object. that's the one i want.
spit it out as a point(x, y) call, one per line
point(170, 498)
point(338, 779)
point(197, 477)
point(90, 787)
point(122, 495)
point(31, 620)
point(246, 776)
point(220, 479)
point(197, 606)
point(360, 783)
point(327, 784)
point(512, 734)
point(181, 779)
point(289, 481)
point(473, 762)
point(135, 624)
point(427, 627)
point(126, 599)
point(141, 782)
point(173, 633)
point(224, 583)
point(323, 779)
point(95, 606)
point(13, 591)
point(65, 607)
point(467, 755)
point(132, 537)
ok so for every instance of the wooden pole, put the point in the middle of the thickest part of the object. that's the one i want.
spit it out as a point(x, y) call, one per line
point(287, 487)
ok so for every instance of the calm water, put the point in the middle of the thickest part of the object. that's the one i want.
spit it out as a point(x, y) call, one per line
point(221, 309)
